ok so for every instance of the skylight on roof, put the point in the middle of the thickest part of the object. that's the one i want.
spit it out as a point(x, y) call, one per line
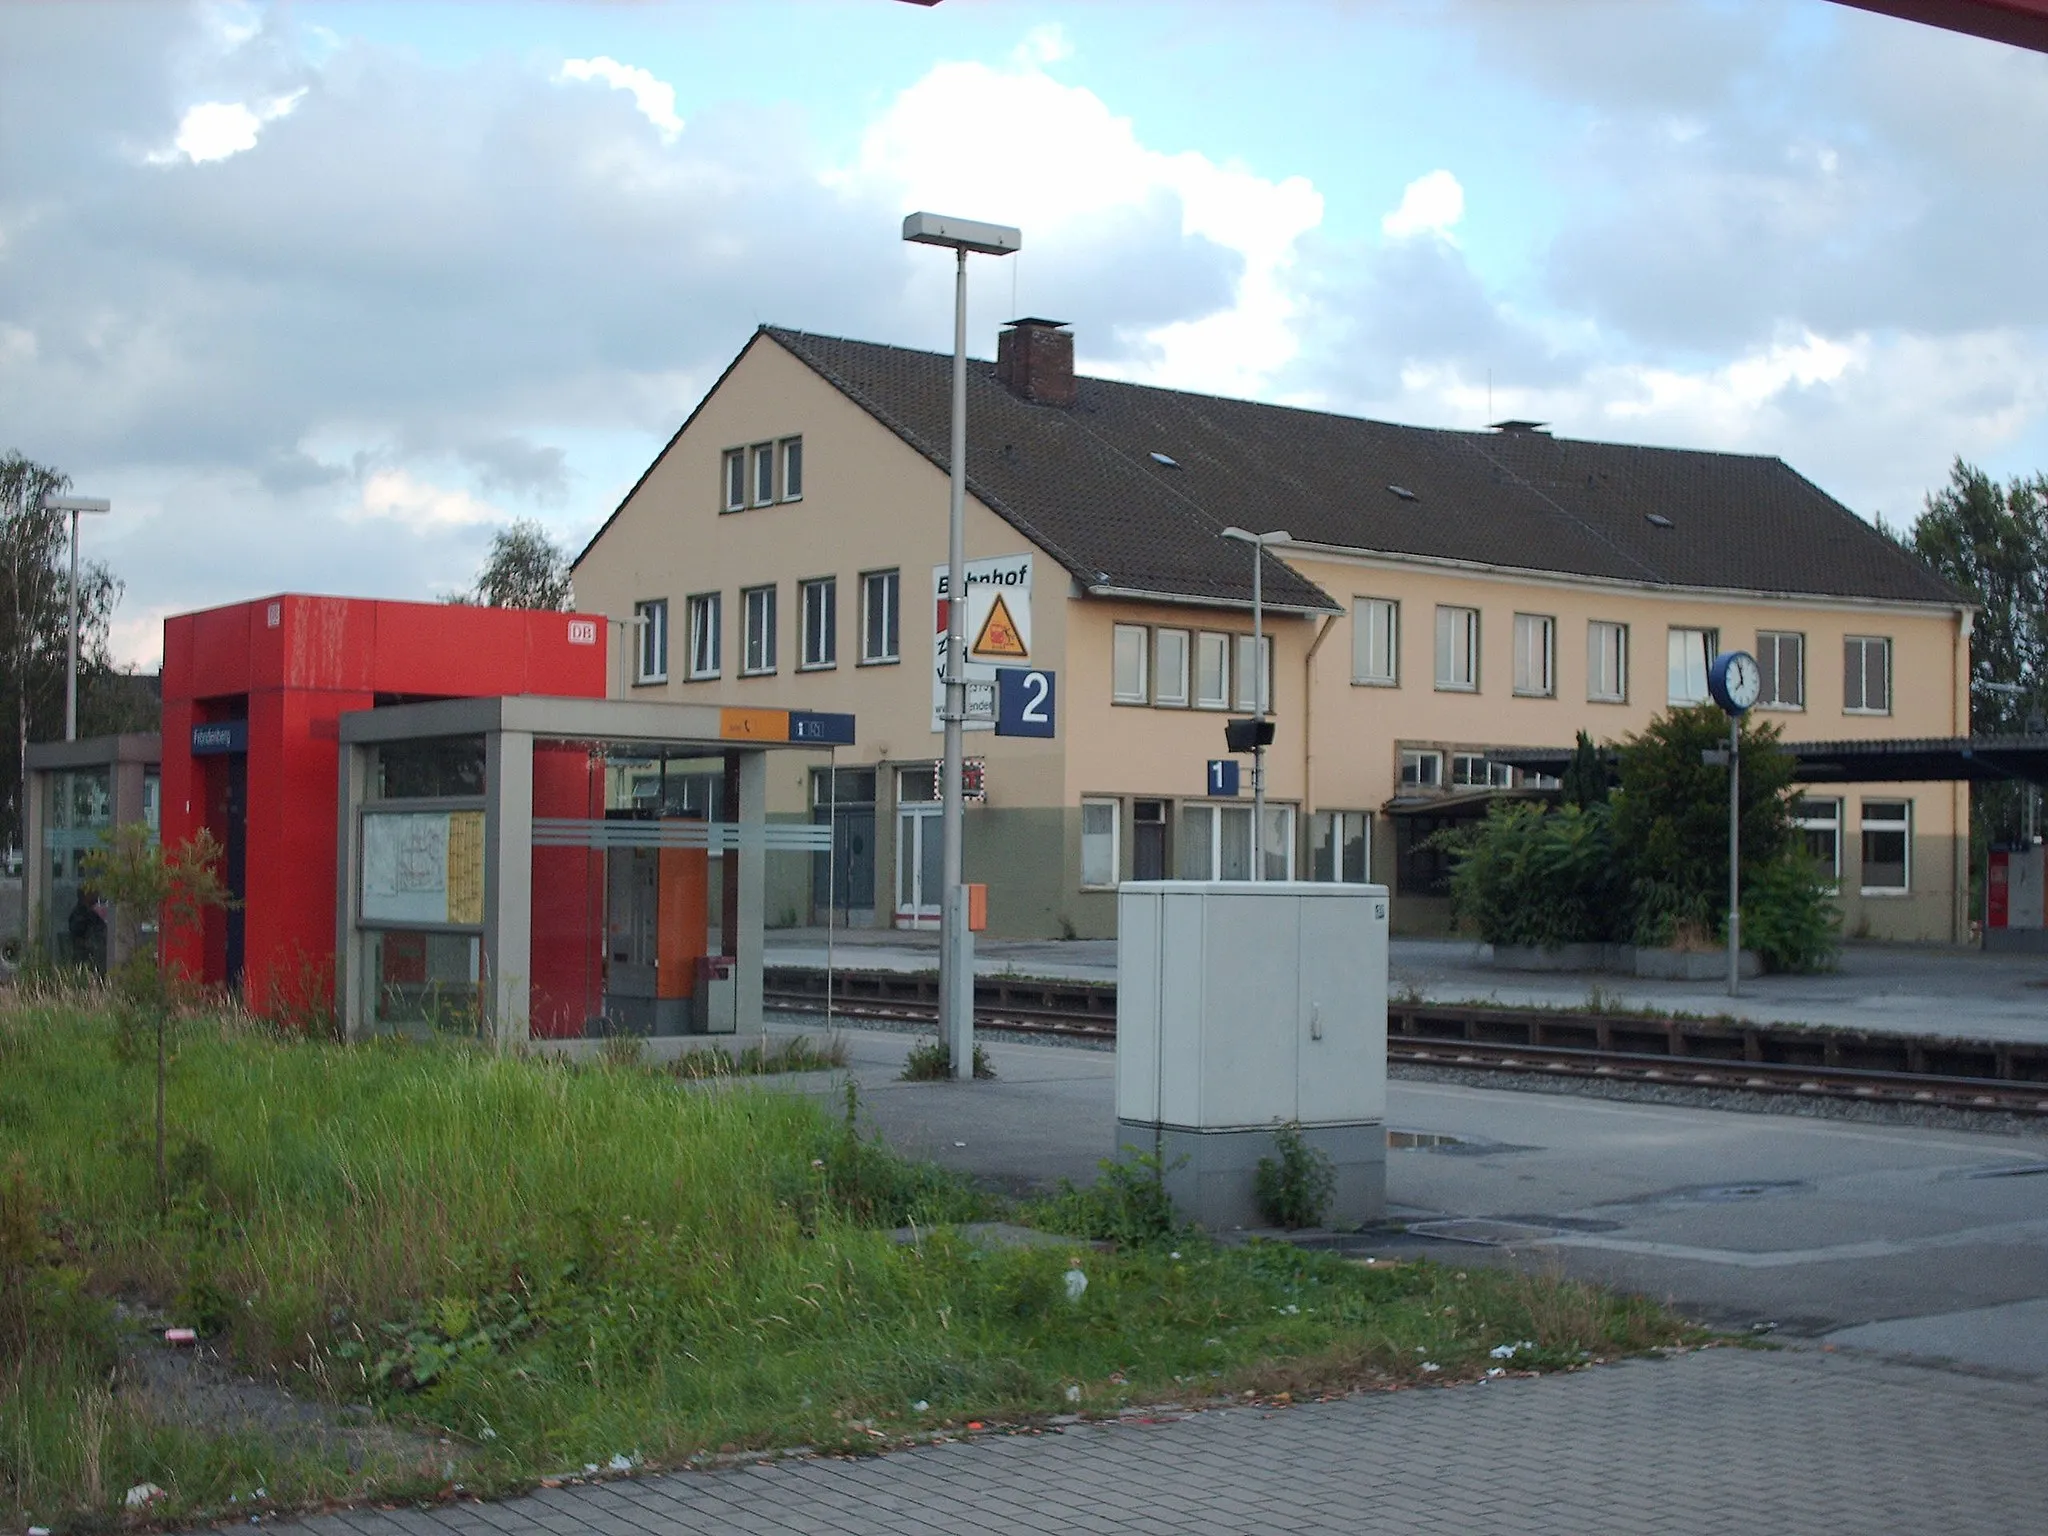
point(1404, 493)
point(1167, 461)
point(1658, 520)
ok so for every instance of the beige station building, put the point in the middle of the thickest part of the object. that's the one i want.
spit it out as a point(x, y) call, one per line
point(1448, 596)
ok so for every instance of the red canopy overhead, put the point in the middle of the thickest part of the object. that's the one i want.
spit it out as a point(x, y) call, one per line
point(2023, 23)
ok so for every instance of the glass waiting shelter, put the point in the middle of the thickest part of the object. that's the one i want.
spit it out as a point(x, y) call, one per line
point(77, 792)
point(540, 868)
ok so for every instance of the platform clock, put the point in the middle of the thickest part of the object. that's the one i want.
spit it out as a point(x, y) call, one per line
point(1735, 681)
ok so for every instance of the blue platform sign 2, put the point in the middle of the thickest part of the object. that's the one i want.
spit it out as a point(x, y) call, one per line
point(818, 726)
point(1222, 776)
point(1024, 701)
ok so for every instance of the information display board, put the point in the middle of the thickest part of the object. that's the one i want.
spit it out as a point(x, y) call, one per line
point(423, 867)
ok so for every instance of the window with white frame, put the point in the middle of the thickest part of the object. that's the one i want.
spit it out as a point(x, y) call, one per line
point(1375, 641)
point(1098, 843)
point(1127, 683)
point(1781, 669)
point(821, 623)
point(705, 629)
point(1421, 769)
point(1819, 823)
point(1471, 770)
point(792, 468)
point(1216, 842)
point(735, 479)
point(759, 654)
point(1606, 662)
point(764, 473)
point(1457, 649)
point(1170, 668)
point(651, 620)
point(879, 616)
point(1212, 671)
point(1690, 653)
point(1248, 675)
point(1867, 675)
point(1339, 847)
point(1535, 655)
point(1887, 847)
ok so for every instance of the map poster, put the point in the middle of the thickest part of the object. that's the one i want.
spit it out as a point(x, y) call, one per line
point(423, 867)
point(998, 628)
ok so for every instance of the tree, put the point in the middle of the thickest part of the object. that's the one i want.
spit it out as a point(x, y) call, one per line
point(1993, 543)
point(524, 569)
point(35, 555)
point(1585, 776)
point(177, 886)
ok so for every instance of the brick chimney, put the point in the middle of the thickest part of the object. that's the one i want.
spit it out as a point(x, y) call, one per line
point(1036, 359)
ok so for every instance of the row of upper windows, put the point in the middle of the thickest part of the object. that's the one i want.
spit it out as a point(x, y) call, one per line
point(881, 594)
point(1689, 652)
point(763, 473)
point(1183, 668)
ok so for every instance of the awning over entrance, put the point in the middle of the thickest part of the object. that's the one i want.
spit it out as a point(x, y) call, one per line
point(1978, 759)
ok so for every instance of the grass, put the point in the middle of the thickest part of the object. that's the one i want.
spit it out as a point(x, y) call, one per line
point(551, 1266)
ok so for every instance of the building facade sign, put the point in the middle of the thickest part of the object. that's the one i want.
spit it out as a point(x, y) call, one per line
point(998, 631)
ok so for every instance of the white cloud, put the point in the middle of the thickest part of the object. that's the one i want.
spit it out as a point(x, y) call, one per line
point(398, 496)
point(215, 130)
point(655, 98)
point(1046, 44)
point(1018, 146)
point(1430, 205)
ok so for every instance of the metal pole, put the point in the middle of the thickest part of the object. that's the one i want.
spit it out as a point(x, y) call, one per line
point(1259, 704)
point(71, 642)
point(1734, 855)
point(831, 875)
point(956, 944)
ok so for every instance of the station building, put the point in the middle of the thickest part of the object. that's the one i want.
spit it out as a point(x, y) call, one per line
point(1448, 597)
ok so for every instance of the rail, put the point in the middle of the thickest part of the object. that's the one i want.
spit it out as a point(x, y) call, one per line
point(1679, 1052)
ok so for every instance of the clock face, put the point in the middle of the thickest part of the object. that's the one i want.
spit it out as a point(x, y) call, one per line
point(1737, 682)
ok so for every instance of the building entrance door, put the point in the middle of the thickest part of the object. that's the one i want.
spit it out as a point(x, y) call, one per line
point(920, 834)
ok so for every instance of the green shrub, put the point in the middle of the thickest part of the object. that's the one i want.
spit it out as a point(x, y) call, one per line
point(1294, 1189)
point(1126, 1205)
point(1527, 875)
point(931, 1061)
point(1787, 916)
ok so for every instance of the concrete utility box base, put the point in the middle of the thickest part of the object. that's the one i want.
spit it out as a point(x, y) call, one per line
point(1213, 1175)
point(1242, 1008)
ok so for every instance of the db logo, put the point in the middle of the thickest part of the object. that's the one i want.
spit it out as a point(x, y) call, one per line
point(583, 631)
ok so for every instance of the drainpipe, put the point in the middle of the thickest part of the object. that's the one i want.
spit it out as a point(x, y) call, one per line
point(1308, 733)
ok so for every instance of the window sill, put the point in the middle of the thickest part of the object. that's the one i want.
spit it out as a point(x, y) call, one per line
point(819, 666)
point(880, 661)
point(1217, 708)
point(702, 677)
point(728, 511)
point(1457, 687)
point(1169, 703)
point(1892, 891)
point(1375, 682)
point(660, 681)
point(1782, 709)
point(1131, 703)
point(1525, 693)
point(1595, 698)
point(761, 672)
point(1868, 714)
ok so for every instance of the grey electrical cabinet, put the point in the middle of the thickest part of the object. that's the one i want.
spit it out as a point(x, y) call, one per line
point(1244, 1007)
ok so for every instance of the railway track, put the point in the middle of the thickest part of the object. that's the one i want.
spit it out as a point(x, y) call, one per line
point(1726, 1054)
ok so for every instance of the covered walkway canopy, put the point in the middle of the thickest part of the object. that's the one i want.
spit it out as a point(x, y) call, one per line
point(1978, 759)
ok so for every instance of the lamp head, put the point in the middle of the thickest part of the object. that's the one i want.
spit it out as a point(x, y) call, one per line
point(76, 504)
point(961, 234)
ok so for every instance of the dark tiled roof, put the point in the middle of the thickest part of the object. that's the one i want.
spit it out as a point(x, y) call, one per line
point(1082, 484)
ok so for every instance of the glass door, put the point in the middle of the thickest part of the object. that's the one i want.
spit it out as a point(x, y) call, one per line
point(919, 849)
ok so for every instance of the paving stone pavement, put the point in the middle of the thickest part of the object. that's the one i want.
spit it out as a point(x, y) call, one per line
point(1738, 1441)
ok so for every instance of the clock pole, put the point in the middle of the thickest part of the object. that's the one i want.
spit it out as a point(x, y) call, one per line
point(1734, 855)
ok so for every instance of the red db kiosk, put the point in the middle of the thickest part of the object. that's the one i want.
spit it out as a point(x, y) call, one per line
point(253, 694)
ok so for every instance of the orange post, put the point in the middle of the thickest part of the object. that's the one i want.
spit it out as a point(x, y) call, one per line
point(977, 908)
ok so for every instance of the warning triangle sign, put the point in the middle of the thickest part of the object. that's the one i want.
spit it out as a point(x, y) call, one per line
point(999, 635)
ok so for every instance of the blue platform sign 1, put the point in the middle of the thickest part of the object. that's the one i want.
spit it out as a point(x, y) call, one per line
point(1024, 701)
point(220, 738)
point(1222, 776)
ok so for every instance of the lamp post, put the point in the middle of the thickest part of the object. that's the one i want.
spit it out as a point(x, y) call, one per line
point(1258, 542)
point(74, 505)
point(956, 944)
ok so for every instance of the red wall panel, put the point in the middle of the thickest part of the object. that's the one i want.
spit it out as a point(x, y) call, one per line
point(568, 899)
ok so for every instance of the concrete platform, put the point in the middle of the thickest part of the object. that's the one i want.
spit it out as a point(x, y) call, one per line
point(1901, 989)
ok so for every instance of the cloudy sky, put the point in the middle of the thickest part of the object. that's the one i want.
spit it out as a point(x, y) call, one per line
point(320, 294)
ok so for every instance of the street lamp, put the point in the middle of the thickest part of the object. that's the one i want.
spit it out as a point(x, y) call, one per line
point(74, 505)
point(956, 944)
point(1258, 542)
